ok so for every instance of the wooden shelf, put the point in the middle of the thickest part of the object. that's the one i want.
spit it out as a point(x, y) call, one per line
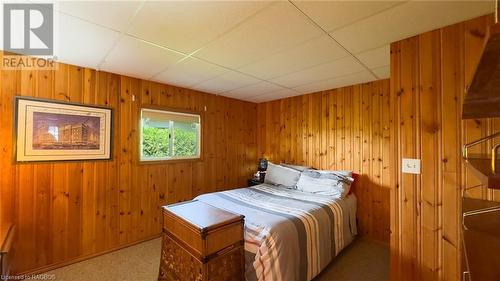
point(481, 166)
point(482, 240)
point(483, 99)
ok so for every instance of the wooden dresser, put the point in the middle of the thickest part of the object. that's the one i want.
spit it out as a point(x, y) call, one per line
point(201, 242)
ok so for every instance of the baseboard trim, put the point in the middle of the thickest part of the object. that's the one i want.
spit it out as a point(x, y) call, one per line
point(53, 266)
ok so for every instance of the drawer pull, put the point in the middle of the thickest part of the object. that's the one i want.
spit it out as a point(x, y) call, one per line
point(221, 252)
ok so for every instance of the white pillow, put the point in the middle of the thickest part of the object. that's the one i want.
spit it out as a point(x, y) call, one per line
point(279, 175)
point(331, 183)
point(347, 180)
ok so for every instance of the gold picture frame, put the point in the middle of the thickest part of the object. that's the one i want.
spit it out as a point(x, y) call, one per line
point(48, 130)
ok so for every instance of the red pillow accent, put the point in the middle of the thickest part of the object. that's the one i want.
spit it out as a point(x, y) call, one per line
point(353, 184)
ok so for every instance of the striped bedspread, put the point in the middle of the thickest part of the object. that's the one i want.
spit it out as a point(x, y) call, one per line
point(289, 234)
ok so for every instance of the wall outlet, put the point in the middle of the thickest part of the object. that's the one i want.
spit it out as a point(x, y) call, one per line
point(411, 166)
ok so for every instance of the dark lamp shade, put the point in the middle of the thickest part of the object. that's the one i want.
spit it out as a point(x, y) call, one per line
point(262, 164)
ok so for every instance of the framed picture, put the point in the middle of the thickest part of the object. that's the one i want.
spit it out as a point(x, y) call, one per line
point(47, 130)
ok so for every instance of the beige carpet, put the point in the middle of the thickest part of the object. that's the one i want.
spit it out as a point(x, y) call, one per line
point(363, 260)
point(135, 263)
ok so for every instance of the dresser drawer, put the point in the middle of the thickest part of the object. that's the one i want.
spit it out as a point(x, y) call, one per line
point(203, 229)
point(223, 237)
point(207, 243)
point(183, 232)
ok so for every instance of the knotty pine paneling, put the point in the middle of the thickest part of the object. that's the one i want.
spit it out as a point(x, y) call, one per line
point(68, 210)
point(429, 77)
point(341, 129)
point(7, 173)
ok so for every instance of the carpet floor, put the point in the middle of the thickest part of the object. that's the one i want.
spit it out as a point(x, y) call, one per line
point(363, 260)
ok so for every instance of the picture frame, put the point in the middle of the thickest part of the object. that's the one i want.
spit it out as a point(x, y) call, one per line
point(48, 130)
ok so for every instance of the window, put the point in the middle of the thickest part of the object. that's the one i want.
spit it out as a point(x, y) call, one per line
point(168, 135)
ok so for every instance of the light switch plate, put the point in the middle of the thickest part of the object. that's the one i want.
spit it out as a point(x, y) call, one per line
point(411, 166)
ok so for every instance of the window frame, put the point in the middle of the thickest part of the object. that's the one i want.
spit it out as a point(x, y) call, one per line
point(199, 114)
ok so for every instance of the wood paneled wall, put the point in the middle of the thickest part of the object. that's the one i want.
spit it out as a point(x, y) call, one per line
point(429, 77)
point(341, 129)
point(69, 210)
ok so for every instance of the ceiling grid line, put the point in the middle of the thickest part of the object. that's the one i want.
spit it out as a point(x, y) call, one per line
point(260, 80)
point(239, 72)
point(122, 33)
point(288, 73)
point(253, 52)
point(298, 70)
point(233, 28)
point(329, 78)
point(268, 80)
point(73, 16)
point(191, 55)
point(367, 16)
point(270, 54)
point(329, 35)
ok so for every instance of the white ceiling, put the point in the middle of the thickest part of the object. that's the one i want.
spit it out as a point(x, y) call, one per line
point(250, 50)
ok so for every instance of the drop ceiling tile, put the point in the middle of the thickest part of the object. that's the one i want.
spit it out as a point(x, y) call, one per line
point(334, 14)
point(280, 94)
point(376, 57)
point(335, 68)
point(139, 59)
point(337, 82)
point(189, 72)
point(382, 72)
point(254, 90)
point(188, 25)
point(276, 28)
point(81, 43)
point(226, 82)
point(313, 52)
point(407, 20)
point(111, 14)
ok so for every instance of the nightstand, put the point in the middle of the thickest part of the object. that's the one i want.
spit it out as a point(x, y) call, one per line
point(252, 182)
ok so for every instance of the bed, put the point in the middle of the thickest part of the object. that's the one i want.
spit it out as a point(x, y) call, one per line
point(289, 234)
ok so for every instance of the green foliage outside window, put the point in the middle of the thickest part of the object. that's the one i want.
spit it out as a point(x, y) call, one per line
point(155, 142)
point(185, 142)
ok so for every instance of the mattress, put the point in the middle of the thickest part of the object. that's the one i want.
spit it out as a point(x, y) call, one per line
point(289, 234)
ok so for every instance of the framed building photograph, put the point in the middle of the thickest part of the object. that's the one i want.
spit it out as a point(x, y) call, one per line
point(49, 130)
